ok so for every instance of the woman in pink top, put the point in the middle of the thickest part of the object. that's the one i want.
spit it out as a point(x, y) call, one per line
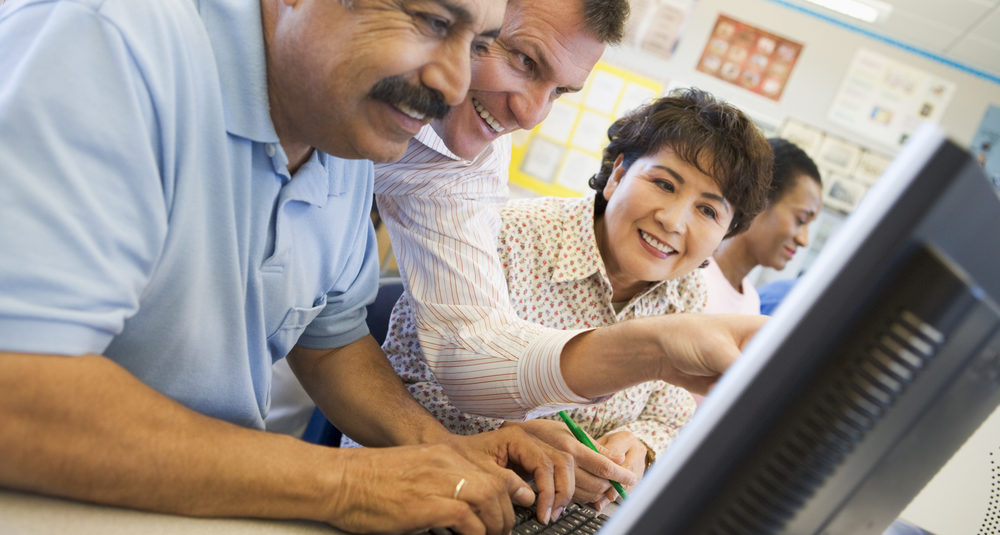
point(794, 201)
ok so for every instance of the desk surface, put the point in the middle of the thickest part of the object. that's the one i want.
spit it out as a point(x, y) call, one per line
point(32, 514)
point(29, 514)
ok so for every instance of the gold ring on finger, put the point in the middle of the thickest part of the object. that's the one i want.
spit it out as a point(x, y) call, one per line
point(458, 488)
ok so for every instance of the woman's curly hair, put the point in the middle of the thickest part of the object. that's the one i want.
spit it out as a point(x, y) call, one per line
point(715, 137)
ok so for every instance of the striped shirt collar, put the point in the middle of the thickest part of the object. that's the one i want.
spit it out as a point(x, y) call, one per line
point(428, 137)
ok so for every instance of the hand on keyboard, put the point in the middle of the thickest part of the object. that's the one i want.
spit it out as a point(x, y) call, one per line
point(594, 471)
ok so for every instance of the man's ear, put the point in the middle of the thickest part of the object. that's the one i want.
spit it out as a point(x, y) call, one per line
point(617, 172)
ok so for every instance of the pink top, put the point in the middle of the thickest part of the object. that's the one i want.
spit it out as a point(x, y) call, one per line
point(723, 298)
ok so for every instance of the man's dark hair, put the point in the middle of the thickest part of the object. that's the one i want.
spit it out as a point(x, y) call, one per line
point(790, 162)
point(605, 19)
point(713, 136)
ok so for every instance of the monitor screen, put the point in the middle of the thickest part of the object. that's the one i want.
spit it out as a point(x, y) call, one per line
point(877, 366)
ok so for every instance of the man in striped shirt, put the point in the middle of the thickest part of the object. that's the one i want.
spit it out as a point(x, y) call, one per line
point(440, 201)
point(440, 205)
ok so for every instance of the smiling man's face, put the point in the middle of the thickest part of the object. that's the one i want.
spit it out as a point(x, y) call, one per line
point(360, 81)
point(544, 50)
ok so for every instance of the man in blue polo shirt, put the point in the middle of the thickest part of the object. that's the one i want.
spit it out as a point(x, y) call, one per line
point(175, 219)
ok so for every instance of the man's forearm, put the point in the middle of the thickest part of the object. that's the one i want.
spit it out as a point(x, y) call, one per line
point(605, 360)
point(360, 393)
point(687, 350)
point(84, 428)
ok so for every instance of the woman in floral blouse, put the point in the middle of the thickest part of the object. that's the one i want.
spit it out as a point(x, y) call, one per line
point(678, 175)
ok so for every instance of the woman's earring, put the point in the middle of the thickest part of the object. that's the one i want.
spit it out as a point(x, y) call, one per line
point(704, 264)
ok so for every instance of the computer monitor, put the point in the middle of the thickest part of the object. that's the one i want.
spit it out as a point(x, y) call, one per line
point(878, 365)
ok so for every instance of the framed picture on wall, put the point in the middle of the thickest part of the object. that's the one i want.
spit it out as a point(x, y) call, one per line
point(804, 136)
point(749, 57)
point(870, 167)
point(839, 155)
point(842, 193)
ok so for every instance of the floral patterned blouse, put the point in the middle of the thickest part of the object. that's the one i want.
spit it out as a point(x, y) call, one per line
point(556, 277)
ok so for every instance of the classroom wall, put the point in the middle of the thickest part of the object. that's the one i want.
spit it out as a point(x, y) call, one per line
point(827, 53)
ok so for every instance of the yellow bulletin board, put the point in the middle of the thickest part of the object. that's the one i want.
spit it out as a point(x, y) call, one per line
point(560, 155)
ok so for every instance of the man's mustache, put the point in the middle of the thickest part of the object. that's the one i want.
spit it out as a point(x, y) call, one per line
point(397, 92)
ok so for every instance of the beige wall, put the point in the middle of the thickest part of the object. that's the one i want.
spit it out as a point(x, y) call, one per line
point(826, 55)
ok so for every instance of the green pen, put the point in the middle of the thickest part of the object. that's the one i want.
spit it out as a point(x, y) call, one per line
point(582, 437)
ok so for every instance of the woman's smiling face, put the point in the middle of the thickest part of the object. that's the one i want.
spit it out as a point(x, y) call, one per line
point(780, 230)
point(664, 218)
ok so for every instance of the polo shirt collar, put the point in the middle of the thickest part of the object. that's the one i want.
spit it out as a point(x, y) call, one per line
point(236, 30)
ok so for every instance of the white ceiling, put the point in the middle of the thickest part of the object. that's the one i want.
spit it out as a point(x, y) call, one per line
point(966, 32)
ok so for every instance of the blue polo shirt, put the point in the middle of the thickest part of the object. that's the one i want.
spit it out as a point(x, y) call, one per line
point(147, 211)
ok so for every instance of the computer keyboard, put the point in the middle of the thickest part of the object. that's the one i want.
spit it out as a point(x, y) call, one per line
point(576, 519)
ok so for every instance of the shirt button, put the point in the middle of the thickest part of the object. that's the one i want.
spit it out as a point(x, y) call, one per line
point(270, 150)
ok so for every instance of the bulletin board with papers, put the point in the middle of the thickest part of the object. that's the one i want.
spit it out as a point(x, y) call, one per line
point(559, 156)
point(886, 100)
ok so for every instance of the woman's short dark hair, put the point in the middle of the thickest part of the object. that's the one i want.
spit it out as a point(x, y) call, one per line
point(715, 137)
point(790, 162)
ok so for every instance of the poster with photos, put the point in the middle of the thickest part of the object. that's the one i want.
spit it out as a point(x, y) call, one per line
point(749, 57)
point(886, 100)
